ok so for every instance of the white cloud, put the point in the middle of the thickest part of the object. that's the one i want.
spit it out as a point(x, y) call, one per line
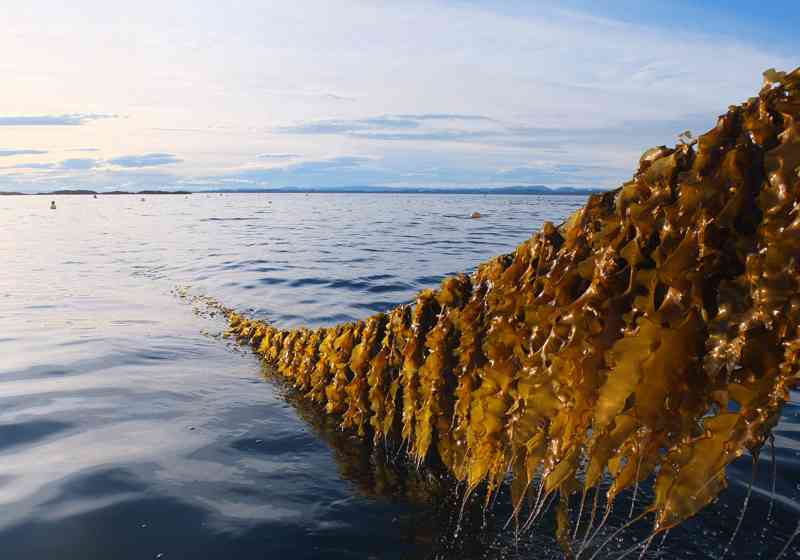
point(74, 119)
point(278, 156)
point(145, 160)
point(20, 152)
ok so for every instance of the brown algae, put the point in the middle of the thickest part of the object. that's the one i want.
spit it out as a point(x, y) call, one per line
point(654, 336)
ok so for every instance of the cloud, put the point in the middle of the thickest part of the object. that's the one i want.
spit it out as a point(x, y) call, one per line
point(145, 160)
point(440, 127)
point(72, 164)
point(323, 127)
point(88, 164)
point(320, 172)
point(73, 119)
point(82, 150)
point(337, 126)
point(381, 122)
point(278, 156)
point(433, 135)
point(32, 166)
point(426, 127)
point(12, 152)
point(624, 136)
point(446, 117)
point(79, 164)
point(413, 169)
point(325, 165)
point(421, 127)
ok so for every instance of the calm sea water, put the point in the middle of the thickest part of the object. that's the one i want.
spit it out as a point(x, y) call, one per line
point(129, 429)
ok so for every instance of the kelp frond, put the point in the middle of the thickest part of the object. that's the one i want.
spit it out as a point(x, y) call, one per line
point(654, 336)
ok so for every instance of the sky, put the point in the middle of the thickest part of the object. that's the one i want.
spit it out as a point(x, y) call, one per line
point(249, 94)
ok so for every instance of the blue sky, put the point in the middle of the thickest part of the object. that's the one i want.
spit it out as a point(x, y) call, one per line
point(203, 95)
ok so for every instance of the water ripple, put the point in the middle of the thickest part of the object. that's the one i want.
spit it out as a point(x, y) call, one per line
point(129, 429)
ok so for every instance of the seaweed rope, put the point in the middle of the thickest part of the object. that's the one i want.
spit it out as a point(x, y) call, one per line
point(654, 336)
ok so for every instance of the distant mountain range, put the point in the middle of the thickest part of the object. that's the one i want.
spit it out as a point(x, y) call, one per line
point(532, 189)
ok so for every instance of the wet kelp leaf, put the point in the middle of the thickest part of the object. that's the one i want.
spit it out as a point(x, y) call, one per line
point(655, 335)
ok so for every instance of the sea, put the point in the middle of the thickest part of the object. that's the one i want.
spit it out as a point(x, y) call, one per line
point(131, 428)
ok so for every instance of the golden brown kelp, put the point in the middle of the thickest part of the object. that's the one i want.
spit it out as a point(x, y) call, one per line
point(652, 337)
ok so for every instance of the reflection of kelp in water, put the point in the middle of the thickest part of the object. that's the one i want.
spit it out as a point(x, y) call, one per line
point(652, 337)
point(439, 522)
point(377, 470)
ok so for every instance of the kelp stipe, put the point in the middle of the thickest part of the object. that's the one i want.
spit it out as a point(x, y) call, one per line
point(652, 337)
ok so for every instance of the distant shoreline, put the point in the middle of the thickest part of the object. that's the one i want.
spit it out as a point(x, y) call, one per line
point(92, 193)
point(532, 190)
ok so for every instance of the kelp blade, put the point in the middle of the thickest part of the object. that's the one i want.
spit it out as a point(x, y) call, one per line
point(653, 336)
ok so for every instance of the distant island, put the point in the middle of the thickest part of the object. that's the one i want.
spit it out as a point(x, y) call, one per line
point(526, 190)
point(85, 192)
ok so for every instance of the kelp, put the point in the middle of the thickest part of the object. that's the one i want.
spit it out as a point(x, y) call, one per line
point(654, 336)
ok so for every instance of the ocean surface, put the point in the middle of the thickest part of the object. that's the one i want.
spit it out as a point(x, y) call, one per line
point(130, 429)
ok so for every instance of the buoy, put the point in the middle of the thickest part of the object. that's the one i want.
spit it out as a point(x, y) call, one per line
point(475, 215)
point(53, 205)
